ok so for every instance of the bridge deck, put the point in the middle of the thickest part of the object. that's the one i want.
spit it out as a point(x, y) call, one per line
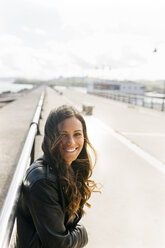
point(130, 144)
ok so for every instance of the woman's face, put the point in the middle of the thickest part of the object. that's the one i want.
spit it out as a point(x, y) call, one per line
point(72, 139)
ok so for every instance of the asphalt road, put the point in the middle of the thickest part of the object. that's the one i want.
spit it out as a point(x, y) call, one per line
point(130, 141)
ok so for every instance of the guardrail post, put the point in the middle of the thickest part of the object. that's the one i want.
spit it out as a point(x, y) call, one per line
point(129, 99)
point(162, 109)
point(135, 100)
point(152, 103)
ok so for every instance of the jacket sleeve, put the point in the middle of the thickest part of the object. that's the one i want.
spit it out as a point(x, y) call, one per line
point(48, 218)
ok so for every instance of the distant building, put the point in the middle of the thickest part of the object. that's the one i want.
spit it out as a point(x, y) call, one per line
point(116, 87)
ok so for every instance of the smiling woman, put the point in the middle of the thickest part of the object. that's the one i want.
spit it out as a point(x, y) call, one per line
point(72, 141)
point(57, 186)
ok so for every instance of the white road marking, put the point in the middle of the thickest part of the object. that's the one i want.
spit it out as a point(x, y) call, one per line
point(72, 103)
point(157, 115)
point(68, 100)
point(144, 134)
point(139, 151)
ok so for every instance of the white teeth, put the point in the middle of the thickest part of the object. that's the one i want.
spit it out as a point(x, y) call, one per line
point(72, 150)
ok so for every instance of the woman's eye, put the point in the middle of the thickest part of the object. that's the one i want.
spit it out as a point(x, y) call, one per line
point(63, 135)
point(77, 134)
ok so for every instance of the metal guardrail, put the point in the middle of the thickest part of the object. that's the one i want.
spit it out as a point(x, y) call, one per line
point(152, 102)
point(7, 217)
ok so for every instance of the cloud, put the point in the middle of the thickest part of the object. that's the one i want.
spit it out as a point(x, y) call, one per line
point(47, 62)
point(8, 40)
point(77, 57)
point(37, 31)
point(41, 38)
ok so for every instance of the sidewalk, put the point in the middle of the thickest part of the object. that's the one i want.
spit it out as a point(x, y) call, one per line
point(15, 120)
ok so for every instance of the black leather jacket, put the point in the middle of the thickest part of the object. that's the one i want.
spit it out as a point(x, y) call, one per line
point(41, 216)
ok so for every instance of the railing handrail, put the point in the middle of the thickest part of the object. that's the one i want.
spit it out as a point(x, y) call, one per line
point(128, 98)
point(125, 94)
point(7, 216)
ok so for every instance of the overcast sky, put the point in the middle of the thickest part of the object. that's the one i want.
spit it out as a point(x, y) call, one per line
point(105, 38)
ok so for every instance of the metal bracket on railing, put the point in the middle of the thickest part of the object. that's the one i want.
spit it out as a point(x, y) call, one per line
point(37, 125)
point(37, 115)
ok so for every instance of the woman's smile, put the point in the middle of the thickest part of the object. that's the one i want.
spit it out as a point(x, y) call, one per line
point(71, 150)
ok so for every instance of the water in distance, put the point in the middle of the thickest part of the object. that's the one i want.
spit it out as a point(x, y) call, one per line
point(8, 85)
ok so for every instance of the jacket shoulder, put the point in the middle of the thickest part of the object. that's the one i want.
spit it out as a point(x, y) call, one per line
point(37, 171)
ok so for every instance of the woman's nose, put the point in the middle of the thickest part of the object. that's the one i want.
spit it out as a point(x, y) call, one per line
point(70, 140)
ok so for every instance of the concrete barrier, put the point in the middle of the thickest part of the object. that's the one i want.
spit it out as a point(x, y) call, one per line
point(87, 108)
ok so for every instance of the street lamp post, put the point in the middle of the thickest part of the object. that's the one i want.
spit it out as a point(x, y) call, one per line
point(163, 102)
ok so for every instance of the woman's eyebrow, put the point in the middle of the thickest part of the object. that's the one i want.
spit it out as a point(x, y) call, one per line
point(62, 131)
point(65, 131)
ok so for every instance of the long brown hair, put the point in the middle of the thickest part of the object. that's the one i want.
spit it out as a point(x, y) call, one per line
point(75, 179)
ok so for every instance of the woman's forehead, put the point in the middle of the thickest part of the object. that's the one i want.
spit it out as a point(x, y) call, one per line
point(69, 124)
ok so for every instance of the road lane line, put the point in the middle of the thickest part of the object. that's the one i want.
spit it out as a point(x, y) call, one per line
point(139, 151)
point(144, 134)
point(157, 115)
point(68, 100)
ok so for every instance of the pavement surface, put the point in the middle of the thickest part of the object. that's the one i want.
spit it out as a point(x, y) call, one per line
point(15, 118)
point(129, 140)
